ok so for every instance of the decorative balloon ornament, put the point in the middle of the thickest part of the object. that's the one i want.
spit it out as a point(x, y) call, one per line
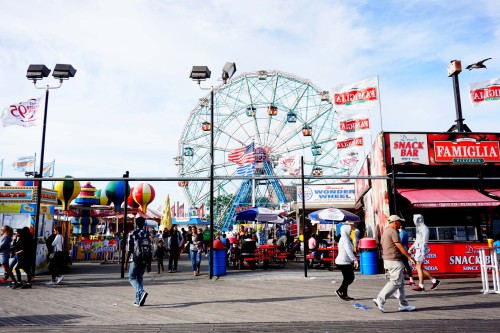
point(143, 194)
point(103, 199)
point(86, 224)
point(115, 191)
point(130, 200)
point(67, 190)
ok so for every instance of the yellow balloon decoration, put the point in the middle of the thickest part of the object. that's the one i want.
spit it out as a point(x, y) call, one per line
point(67, 190)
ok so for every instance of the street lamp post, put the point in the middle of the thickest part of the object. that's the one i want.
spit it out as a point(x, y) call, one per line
point(454, 68)
point(201, 73)
point(35, 73)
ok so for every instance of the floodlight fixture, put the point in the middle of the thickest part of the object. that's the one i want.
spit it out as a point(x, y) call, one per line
point(200, 73)
point(63, 71)
point(228, 71)
point(37, 72)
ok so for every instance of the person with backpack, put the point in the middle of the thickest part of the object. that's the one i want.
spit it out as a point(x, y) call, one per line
point(138, 258)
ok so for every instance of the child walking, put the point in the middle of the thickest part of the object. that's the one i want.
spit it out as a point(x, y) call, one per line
point(160, 253)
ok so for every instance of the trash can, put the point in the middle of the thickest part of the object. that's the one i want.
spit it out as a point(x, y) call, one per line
point(368, 256)
point(219, 259)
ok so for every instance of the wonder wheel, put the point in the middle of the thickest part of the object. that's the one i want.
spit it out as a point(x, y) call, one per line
point(283, 115)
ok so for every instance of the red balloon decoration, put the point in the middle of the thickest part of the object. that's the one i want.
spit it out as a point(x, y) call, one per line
point(143, 194)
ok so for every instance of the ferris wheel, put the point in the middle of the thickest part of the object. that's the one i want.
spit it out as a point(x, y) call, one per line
point(283, 115)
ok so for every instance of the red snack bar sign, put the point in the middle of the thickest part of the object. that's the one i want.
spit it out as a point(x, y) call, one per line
point(466, 151)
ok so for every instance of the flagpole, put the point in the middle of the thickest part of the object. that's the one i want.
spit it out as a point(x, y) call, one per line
point(379, 105)
point(211, 183)
point(1, 170)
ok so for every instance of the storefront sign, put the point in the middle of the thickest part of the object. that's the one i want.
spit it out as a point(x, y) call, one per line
point(452, 258)
point(409, 147)
point(466, 151)
point(442, 148)
point(26, 194)
point(327, 193)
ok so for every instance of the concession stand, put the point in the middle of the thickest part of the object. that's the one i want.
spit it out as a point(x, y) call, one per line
point(18, 209)
point(452, 179)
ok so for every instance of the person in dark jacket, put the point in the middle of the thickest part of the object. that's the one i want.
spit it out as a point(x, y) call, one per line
point(25, 257)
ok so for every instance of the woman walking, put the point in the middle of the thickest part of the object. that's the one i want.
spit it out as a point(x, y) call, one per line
point(345, 261)
point(57, 258)
point(25, 257)
point(5, 241)
point(196, 248)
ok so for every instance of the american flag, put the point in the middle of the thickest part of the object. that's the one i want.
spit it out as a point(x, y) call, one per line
point(243, 155)
point(246, 170)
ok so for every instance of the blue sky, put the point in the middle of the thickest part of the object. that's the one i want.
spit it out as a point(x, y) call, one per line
point(130, 99)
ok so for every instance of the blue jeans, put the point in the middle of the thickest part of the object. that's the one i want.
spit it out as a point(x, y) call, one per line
point(195, 260)
point(135, 276)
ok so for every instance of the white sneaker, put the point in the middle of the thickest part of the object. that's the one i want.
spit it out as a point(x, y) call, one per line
point(59, 279)
point(407, 307)
point(50, 283)
point(379, 304)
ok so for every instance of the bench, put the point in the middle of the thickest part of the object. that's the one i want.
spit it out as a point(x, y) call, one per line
point(328, 262)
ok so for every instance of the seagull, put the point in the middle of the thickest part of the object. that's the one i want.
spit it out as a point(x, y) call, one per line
point(479, 64)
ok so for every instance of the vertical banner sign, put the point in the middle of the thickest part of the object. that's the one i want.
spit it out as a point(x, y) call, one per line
point(485, 92)
point(362, 94)
point(354, 124)
point(350, 152)
point(290, 164)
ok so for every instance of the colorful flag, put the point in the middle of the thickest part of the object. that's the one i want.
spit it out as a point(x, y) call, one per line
point(173, 210)
point(246, 170)
point(484, 92)
point(354, 124)
point(361, 94)
point(24, 163)
point(290, 164)
point(22, 114)
point(201, 211)
point(48, 169)
point(243, 155)
point(181, 210)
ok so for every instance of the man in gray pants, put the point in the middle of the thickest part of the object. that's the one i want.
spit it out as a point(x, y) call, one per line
point(392, 250)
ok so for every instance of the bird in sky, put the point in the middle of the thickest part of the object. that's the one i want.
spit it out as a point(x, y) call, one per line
point(479, 64)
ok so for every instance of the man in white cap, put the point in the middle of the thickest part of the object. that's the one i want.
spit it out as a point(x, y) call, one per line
point(421, 248)
point(392, 250)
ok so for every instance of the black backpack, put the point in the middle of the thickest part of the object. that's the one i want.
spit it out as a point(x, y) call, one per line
point(142, 248)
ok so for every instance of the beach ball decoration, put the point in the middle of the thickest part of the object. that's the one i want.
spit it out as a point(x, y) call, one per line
point(115, 191)
point(67, 190)
point(144, 194)
point(103, 199)
point(130, 200)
